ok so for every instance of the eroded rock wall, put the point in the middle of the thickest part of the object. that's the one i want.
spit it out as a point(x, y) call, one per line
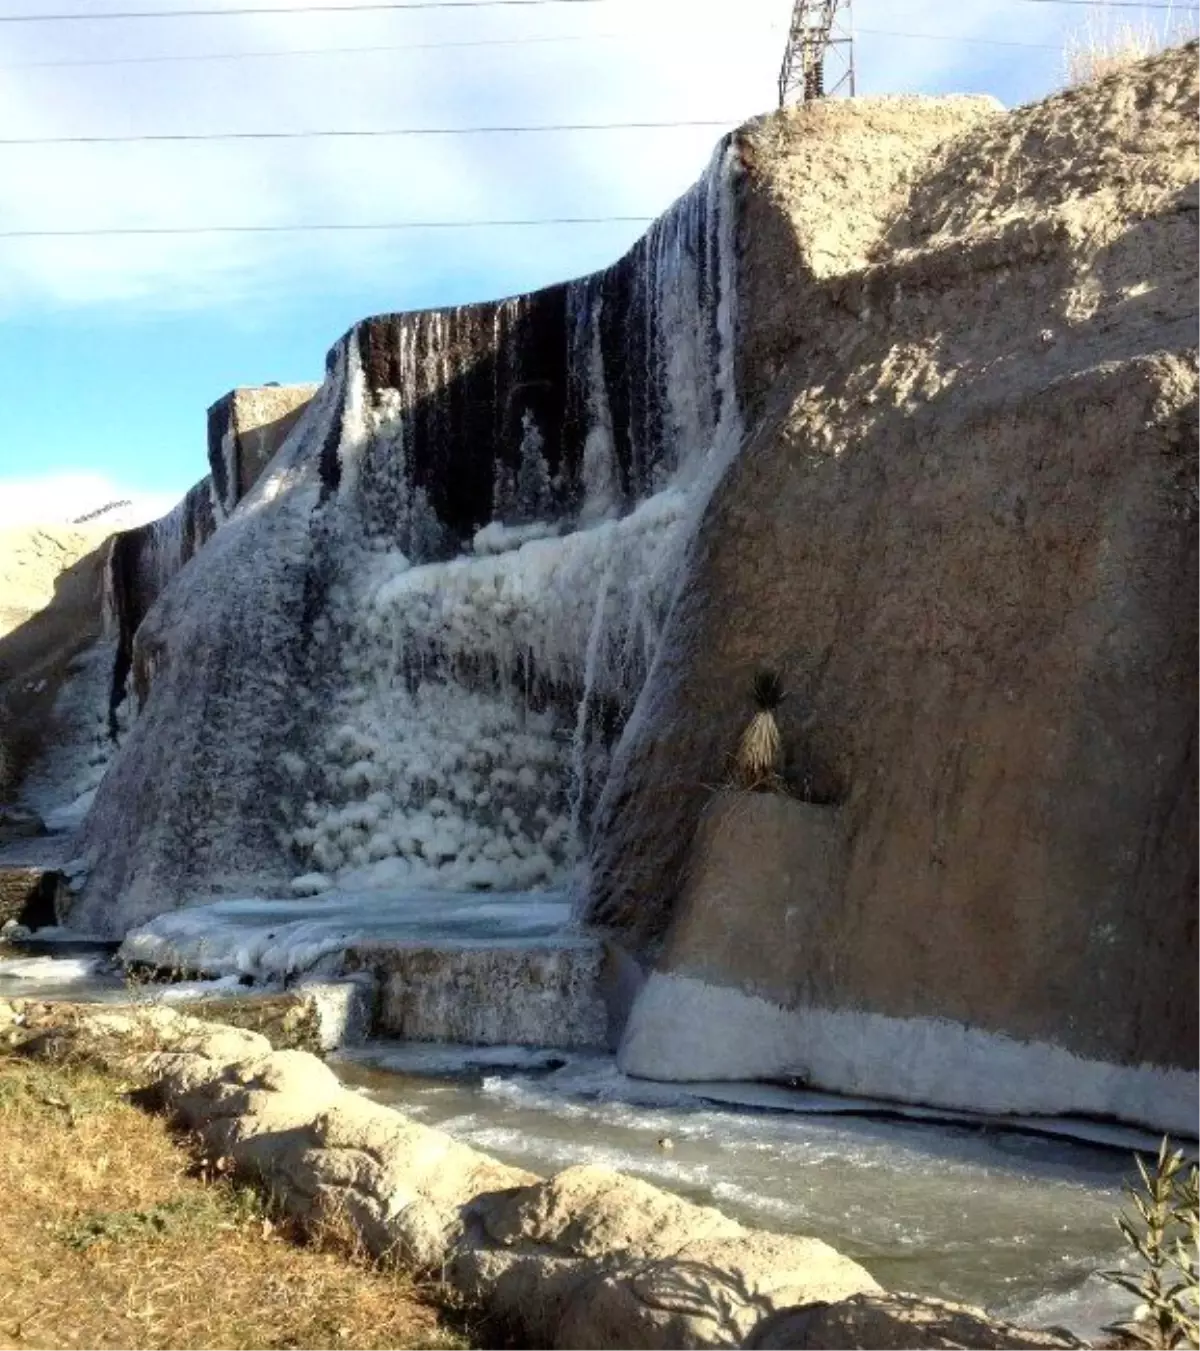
point(452, 591)
point(964, 534)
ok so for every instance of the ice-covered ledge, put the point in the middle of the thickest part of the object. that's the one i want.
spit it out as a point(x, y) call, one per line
point(475, 968)
point(682, 1028)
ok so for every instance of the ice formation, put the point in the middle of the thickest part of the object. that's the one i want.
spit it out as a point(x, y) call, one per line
point(484, 670)
point(268, 939)
point(405, 659)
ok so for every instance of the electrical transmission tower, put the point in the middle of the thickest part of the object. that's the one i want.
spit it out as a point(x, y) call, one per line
point(821, 33)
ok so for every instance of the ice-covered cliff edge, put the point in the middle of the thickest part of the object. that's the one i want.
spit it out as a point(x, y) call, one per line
point(407, 656)
point(404, 659)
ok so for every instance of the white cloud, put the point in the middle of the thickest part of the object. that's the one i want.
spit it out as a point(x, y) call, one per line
point(58, 498)
point(668, 59)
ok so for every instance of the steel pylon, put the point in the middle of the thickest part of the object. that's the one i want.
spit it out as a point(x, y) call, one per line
point(819, 60)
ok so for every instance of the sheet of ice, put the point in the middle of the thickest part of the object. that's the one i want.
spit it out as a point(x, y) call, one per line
point(60, 934)
point(79, 977)
point(773, 1097)
point(266, 939)
point(70, 817)
point(1011, 1221)
point(61, 970)
point(192, 991)
point(433, 1058)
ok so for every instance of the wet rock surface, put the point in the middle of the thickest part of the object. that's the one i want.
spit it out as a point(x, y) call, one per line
point(894, 1322)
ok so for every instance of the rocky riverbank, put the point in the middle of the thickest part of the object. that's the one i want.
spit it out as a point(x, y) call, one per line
point(585, 1258)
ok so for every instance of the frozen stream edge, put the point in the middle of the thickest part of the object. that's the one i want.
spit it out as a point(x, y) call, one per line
point(764, 1153)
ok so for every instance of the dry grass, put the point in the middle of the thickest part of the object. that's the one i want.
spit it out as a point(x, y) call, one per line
point(757, 762)
point(759, 752)
point(1104, 44)
point(108, 1238)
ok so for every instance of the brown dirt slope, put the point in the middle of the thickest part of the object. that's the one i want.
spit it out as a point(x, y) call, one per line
point(963, 531)
point(51, 598)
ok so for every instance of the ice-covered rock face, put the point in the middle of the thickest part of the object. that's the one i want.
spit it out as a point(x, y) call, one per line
point(405, 658)
point(505, 506)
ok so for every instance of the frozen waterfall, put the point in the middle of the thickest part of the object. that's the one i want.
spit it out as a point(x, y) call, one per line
point(407, 656)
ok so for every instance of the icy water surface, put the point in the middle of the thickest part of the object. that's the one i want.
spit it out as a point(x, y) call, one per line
point(60, 966)
point(1016, 1222)
point(1009, 1220)
point(267, 939)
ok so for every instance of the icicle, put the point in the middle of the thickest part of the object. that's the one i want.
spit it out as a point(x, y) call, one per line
point(578, 791)
point(460, 742)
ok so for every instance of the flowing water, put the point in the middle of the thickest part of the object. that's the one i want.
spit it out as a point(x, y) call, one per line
point(971, 1210)
point(1015, 1222)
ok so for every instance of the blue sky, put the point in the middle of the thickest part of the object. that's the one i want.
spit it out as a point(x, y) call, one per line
point(111, 349)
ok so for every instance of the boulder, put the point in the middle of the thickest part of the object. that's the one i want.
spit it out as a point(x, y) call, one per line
point(626, 1264)
point(895, 1322)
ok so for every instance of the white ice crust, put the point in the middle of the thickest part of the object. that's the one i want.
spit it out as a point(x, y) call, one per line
point(681, 1028)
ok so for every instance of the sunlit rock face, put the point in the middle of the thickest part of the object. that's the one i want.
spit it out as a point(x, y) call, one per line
point(963, 535)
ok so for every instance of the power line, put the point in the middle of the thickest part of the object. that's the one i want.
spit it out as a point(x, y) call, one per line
point(324, 228)
point(1115, 4)
point(954, 37)
point(513, 130)
point(187, 58)
point(173, 58)
point(367, 5)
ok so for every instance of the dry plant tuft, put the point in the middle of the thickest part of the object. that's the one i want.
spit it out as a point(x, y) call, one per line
point(1104, 44)
point(758, 760)
point(111, 1237)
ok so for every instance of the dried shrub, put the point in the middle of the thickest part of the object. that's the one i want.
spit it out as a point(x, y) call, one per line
point(758, 760)
point(1103, 45)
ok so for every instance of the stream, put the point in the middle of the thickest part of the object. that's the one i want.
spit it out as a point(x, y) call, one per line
point(1015, 1221)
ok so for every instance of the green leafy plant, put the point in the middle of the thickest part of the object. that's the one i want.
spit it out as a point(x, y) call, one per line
point(1163, 1234)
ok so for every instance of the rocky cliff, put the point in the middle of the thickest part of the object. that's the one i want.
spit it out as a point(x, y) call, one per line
point(72, 597)
point(963, 533)
point(897, 403)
